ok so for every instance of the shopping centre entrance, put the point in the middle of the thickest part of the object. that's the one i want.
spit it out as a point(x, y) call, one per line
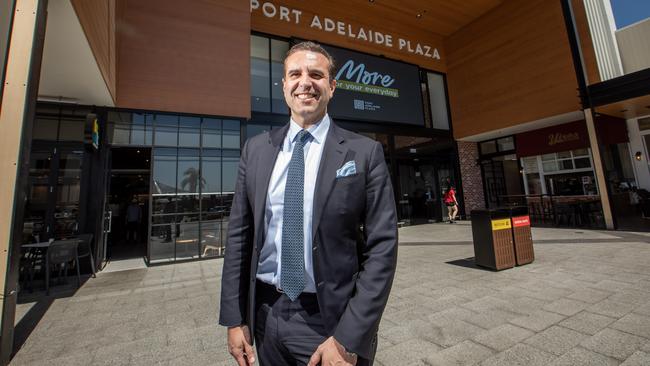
point(127, 204)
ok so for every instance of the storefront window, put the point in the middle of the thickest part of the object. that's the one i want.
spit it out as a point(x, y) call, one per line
point(211, 132)
point(278, 51)
point(166, 130)
point(231, 133)
point(438, 101)
point(260, 78)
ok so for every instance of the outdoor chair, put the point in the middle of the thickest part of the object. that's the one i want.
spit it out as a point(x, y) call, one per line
point(84, 249)
point(59, 254)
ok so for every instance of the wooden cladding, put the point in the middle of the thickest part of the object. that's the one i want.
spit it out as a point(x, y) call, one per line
point(192, 57)
point(511, 66)
point(410, 40)
point(97, 18)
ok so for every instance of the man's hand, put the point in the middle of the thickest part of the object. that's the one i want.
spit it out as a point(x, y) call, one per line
point(331, 353)
point(239, 345)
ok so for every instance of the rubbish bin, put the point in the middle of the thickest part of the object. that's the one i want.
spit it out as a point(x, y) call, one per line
point(492, 234)
point(522, 236)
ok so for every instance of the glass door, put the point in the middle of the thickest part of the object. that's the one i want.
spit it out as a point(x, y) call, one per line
point(52, 208)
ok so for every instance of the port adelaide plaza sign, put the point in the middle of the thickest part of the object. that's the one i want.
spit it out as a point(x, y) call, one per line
point(340, 28)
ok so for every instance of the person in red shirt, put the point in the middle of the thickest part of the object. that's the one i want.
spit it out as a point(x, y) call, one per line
point(450, 201)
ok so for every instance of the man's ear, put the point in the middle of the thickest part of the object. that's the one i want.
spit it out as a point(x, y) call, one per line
point(333, 85)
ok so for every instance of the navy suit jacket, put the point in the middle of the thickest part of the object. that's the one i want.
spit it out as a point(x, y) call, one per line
point(355, 236)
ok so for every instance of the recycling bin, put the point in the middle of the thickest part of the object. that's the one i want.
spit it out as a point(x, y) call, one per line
point(492, 235)
point(522, 235)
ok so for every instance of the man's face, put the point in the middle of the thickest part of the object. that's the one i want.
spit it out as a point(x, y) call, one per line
point(307, 86)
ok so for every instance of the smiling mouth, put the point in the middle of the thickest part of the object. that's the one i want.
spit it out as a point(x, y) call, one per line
point(306, 96)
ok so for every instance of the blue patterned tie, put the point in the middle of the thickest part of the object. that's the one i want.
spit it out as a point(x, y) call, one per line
point(292, 279)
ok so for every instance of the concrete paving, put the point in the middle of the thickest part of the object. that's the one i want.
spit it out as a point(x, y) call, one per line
point(584, 301)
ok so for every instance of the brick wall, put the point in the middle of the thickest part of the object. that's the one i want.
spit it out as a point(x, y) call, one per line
point(471, 176)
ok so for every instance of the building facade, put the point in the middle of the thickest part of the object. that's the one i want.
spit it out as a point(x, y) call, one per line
point(150, 102)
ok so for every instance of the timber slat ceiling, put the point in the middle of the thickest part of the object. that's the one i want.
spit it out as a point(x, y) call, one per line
point(443, 17)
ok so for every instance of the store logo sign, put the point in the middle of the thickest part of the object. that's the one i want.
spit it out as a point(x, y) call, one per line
point(560, 138)
point(335, 26)
point(357, 78)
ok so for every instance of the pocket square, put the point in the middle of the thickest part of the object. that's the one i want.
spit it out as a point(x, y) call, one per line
point(347, 169)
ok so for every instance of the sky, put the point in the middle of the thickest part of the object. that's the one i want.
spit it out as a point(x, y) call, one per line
point(627, 12)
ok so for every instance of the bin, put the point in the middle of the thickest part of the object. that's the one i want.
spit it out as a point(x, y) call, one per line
point(492, 234)
point(521, 235)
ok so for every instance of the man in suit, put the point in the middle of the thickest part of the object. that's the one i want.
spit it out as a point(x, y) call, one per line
point(312, 240)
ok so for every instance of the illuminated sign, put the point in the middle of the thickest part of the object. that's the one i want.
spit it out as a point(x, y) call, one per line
point(375, 89)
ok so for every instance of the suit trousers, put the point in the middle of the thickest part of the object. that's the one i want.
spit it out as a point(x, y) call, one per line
point(286, 332)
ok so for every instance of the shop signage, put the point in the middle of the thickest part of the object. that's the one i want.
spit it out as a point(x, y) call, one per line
point(520, 221)
point(340, 28)
point(570, 136)
point(375, 89)
point(501, 224)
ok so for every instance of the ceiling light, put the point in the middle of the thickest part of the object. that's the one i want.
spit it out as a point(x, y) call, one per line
point(419, 15)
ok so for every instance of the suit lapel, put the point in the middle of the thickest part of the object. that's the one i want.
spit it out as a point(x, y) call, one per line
point(332, 158)
point(266, 161)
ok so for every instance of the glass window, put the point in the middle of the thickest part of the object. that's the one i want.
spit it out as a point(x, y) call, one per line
point(164, 171)
point(231, 132)
point(137, 129)
point(211, 237)
point(71, 130)
point(260, 78)
point(644, 124)
point(229, 173)
point(211, 132)
point(488, 147)
point(211, 172)
point(582, 163)
point(581, 152)
point(438, 101)
point(506, 143)
point(187, 236)
point(278, 51)
point(189, 132)
point(45, 129)
point(550, 166)
point(189, 179)
point(166, 130)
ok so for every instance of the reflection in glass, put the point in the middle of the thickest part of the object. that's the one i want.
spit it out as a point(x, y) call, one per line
point(278, 51)
point(164, 171)
point(211, 132)
point(211, 171)
point(166, 130)
point(211, 238)
point(260, 78)
point(438, 101)
point(229, 173)
point(231, 131)
point(189, 133)
point(187, 236)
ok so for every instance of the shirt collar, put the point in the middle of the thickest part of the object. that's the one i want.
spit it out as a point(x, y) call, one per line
point(318, 131)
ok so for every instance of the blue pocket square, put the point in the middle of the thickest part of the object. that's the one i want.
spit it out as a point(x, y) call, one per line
point(347, 169)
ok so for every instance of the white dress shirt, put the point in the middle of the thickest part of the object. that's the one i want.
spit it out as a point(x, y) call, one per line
point(271, 254)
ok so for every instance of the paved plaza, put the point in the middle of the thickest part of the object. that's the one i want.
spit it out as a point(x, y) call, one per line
point(584, 301)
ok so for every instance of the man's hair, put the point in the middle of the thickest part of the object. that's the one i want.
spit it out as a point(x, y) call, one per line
point(313, 47)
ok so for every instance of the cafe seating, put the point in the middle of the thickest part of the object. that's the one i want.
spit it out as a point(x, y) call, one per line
point(84, 250)
point(59, 255)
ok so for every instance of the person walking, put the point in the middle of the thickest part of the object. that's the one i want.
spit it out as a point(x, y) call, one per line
point(450, 201)
point(312, 238)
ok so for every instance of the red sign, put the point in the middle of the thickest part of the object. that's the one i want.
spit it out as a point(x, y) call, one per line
point(570, 136)
point(521, 221)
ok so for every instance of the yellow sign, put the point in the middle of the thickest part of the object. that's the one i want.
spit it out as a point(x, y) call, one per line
point(501, 224)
